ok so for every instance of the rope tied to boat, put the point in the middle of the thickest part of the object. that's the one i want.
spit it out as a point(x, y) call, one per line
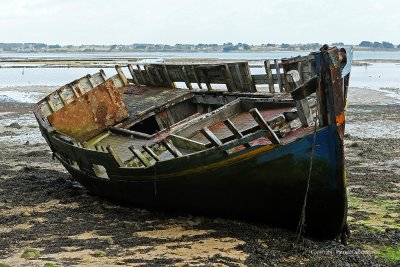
point(302, 221)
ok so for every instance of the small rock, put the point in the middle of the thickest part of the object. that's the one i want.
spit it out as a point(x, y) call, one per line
point(4, 265)
point(30, 253)
point(15, 125)
point(27, 143)
point(26, 214)
point(110, 241)
point(49, 264)
point(99, 253)
point(354, 144)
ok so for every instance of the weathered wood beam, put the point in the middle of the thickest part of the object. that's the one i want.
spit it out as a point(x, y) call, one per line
point(264, 126)
point(210, 136)
point(151, 153)
point(121, 75)
point(196, 77)
point(127, 132)
point(268, 71)
point(131, 70)
point(186, 78)
point(149, 75)
point(305, 89)
point(115, 156)
point(278, 73)
point(239, 77)
point(172, 84)
point(175, 152)
point(236, 132)
point(142, 158)
point(141, 74)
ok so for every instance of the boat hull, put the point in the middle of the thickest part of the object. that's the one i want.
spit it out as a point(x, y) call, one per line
point(264, 185)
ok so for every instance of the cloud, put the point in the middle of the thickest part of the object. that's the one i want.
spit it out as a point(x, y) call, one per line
point(190, 21)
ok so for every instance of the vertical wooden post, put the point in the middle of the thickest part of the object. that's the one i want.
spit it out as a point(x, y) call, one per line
point(239, 77)
point(303, 109)
point(278, 74)
point(268, 71)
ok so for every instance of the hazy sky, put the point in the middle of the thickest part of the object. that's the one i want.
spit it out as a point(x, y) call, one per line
point(204, 21)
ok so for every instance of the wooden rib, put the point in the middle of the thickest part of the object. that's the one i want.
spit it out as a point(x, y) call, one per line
point(186, 77)
point(239, 75)
point(141, 74)
point(264, 125)
point(142, 158)
point(121, 75)
point(226, 73)
point(63, 100)
point(160, 79)
point(151, 153)
point(115, 156)
point(211, 136)
point(233, 129)
point(131, 70)
point(51, 105)
point(103, 75)
point(236, 132)
point(196, 77)
point(175, 152)
point(172, 84)
point(90, 80)
point(146, 68)
point(207, 81)
point(267, 65)
point(278, 75)
point(300, 70)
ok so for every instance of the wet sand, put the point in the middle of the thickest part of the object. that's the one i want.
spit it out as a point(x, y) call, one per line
point(42, 209)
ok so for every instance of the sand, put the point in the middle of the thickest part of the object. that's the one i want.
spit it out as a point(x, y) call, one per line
point(43, 209)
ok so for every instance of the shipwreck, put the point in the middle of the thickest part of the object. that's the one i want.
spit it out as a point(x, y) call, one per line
point(212, 138)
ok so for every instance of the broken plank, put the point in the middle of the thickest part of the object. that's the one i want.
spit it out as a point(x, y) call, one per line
point(264, 126)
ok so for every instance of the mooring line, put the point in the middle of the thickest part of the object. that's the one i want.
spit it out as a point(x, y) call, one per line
point(300, 226)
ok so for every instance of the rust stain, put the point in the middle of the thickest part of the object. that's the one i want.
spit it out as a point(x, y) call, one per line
point(90, 114)
point(340, 119)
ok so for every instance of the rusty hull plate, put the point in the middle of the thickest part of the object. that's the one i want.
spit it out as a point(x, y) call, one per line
point(90, 114)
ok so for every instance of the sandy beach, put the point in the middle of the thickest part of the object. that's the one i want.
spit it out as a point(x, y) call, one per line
point(45, 217)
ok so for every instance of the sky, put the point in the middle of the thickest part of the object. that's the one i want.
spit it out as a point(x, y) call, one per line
point(107, 22)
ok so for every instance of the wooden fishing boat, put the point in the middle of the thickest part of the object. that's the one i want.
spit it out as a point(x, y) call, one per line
point(211, 138)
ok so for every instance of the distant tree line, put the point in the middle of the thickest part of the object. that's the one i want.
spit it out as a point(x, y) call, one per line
point(201, 47)
point(385, 45)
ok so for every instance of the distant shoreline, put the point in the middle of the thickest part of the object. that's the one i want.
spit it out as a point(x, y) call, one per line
point(109, 63)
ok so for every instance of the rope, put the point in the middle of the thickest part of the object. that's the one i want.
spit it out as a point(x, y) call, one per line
point(302, 221)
